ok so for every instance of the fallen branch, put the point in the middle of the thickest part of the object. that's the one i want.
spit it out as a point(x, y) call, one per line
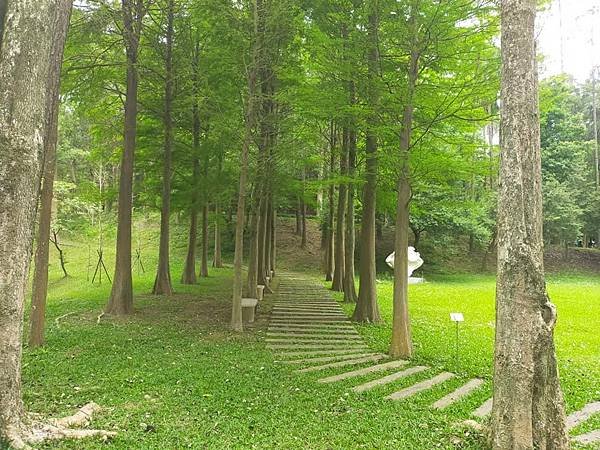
point(34, 432)
point(57, 320)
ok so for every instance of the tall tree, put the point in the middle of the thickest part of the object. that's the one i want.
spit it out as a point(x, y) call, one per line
point(30, 40)
point(367, 309)
point(249, 121)
point(162, 282)
point(121, 296)
point(528, 410)
point(39, 288)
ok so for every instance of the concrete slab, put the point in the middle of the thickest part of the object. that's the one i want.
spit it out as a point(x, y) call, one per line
point(420, 387)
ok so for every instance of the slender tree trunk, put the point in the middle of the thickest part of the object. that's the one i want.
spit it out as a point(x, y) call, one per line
point(274, 241)
point(30, 38)
point(401, 345)
point(350, 295)
point(367, 309)
point(120, 301)
point(39, 289)
point(189, 270)
point(298, 216)
point(528, 410)
point(252, 282)
point(340, 229)
point(162, 282)
point(329, 252)
point(269, 238)
point(204, 264)
point(303, 210)
point(217, 260)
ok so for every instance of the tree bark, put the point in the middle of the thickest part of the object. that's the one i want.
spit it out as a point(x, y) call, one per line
point(189, 269)
point(401, 345)
point(217, 259)
point(29, 42)
point(250, 121)
point(204, 263)
point(120, 301)
point(340, 228)
point(367, 309)
point(528, 410)
point(162, 282)
point(349, 283)
point(329, 251)
point(39, 288)
point(303, 210)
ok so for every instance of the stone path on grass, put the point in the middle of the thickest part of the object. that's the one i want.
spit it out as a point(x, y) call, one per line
point(309, 331)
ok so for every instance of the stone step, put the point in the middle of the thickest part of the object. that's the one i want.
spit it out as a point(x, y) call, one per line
point(292, 340)
point(314, 336)
point(582, 415)
point(315, 346)
point(364, 371)
point(306, 310)
point(339, 351)
point(389, 379)
point(419, 387)
point(327, 358)
point(301, 315)
point(346, 331)
point(484, 409)
point(310, 320)
point(333, 325)
point(588, 438)
point(348, 362)
point(459, 393)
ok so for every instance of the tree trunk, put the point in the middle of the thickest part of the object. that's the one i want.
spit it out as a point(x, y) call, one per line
point(367, 309)
point(349, 283)
point(217, 260)
point(189, 270)
point(252, 281)
point(162, 282)
point(204, 263)
point(298, 216)
point(401, 345)
point(329, 251)
point(29, 44)
point(528, 410)
point(303, 210)
point(250, 120)
point(39, 288)
point(274, 241)
point(120, 301)
point(340, 228)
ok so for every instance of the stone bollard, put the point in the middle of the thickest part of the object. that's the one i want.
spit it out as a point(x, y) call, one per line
point(248, 309)
point(260, 292)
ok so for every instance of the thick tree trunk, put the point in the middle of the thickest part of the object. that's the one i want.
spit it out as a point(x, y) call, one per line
point(29, 43)
point(349, 283)
point(162, 282)
point(39, 288)
point(121, 296)
point(401, 345)
point(298, 216)
point(528, 410)
point(340, 228)
point(252, 281)
point(367, 309)
point(217, 259)
point(204, 261)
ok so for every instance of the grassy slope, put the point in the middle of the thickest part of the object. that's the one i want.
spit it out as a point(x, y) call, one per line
point(173, 377)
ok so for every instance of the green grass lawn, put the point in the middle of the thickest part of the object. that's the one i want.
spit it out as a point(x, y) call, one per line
point(172, 376)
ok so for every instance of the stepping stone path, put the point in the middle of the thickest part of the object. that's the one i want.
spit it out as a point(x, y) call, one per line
point(309, 330)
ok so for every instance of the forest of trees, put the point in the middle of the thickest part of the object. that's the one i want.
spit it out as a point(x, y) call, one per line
point(226, 115)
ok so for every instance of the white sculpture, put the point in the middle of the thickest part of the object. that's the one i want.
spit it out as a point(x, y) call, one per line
point(414, 260)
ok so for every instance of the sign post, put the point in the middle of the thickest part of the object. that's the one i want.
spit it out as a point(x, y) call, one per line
point(457, 318)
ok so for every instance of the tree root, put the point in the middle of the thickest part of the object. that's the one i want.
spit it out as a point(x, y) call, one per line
point(35, 431)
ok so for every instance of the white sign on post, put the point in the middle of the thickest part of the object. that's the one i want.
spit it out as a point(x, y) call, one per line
point(457, 317)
